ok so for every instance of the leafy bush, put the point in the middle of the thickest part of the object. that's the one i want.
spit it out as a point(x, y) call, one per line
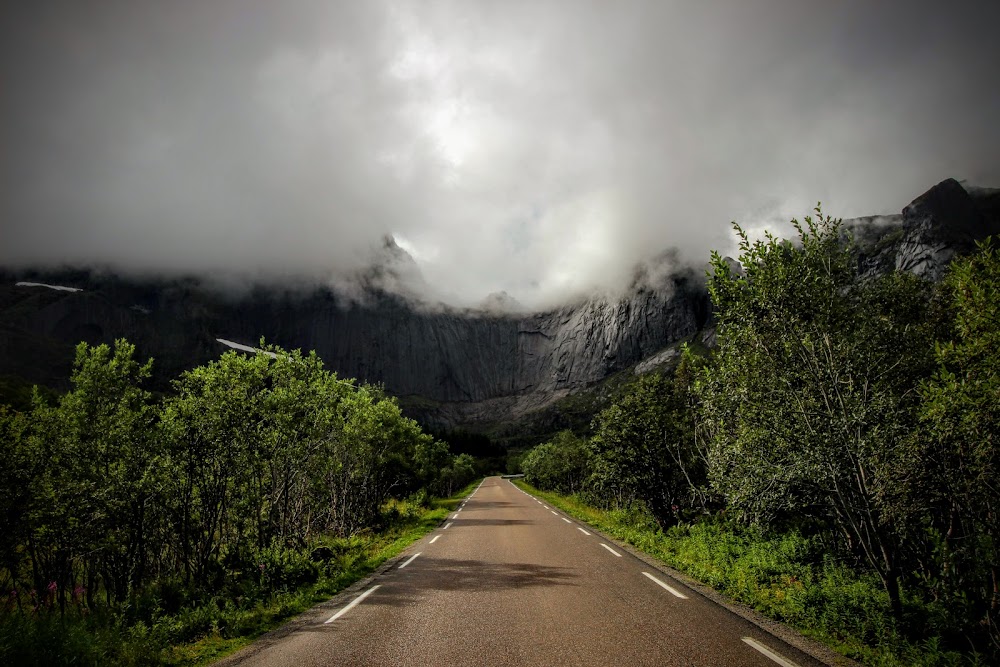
point(563, 464)
point(161, 520)
point(284, 569)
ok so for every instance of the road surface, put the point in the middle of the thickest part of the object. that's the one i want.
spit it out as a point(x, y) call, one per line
point(508, 580)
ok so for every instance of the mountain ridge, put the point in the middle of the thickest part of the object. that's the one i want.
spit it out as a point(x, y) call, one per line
point(450, 366)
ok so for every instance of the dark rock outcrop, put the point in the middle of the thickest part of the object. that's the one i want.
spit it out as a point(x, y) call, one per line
point(945, 221)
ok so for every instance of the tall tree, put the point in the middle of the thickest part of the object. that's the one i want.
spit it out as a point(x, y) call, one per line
point(95, 475)
point(812, 395)
point(644, 443)
point(960, 443)
point(562, 464)
point(213, 426)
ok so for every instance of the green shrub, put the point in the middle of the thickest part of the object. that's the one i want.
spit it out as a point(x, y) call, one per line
point(283, 569)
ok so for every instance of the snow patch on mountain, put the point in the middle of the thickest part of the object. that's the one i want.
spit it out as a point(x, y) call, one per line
point(245, 348)
point(60, 288)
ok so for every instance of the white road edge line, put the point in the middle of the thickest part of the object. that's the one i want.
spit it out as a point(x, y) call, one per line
point(436, 537)
point(565, 519)
point(455, 515)
point(446, 526)
point(582, 530)
point(556, 513)
point(670, 589)
point(459, 510)
point(784, 662)
point(545, 506)
point(351, 606)
point(410, 559)
point(611, 550)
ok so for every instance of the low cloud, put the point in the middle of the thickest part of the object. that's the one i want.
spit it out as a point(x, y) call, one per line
point(540, 149)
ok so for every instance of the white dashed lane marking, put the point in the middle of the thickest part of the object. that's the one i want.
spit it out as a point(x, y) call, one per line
point(669, 589)
point(611, 550)
point(784, 662)
point(410, 560)
point(352, 605)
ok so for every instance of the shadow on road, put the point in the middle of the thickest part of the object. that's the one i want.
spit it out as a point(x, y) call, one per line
point(480, 505)
point(448, 574)
point(466, 520)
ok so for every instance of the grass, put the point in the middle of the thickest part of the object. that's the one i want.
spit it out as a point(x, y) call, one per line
point(787, 577)
point(201, 633)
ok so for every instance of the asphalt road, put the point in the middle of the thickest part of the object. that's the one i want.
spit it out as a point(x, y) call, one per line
point(509, 581)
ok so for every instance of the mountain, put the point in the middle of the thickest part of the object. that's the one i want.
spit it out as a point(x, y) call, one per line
point(460, 365)
point(946, 220)
point(450, 367)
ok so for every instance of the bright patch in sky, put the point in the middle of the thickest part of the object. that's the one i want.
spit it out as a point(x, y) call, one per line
point(420, 255)
point(539, 148)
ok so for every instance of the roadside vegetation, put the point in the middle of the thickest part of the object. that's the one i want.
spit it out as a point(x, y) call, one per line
point(832, 462)
point(142, 530)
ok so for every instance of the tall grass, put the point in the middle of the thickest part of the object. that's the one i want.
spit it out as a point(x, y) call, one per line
point(788, 577)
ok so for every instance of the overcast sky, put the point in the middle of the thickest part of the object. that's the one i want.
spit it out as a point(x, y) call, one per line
point(540, 148)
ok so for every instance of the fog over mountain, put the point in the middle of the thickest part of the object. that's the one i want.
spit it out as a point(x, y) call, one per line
point(539, 149)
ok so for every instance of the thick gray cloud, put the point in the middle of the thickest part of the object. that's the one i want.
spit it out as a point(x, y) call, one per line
point(542, 148)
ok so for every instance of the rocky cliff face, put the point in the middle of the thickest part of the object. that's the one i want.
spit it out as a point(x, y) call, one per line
point(451, 367)
point(455, 365)
point(945, 221)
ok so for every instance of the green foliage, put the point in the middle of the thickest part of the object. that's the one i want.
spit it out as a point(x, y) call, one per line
point(15, 478)
point(148, 523)
point(460, 473)
point(811, 398)
point(177, 625)
point(284, 569)
point(843, 432)
point(430, 458)
point(93, 471)
point(563, 464)
point(960, 415)
point(16, 393)
point(644, 447)
point(856, 413)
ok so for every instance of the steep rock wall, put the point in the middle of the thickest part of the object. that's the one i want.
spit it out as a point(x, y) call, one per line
point(444, 356)
point(451, 366)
